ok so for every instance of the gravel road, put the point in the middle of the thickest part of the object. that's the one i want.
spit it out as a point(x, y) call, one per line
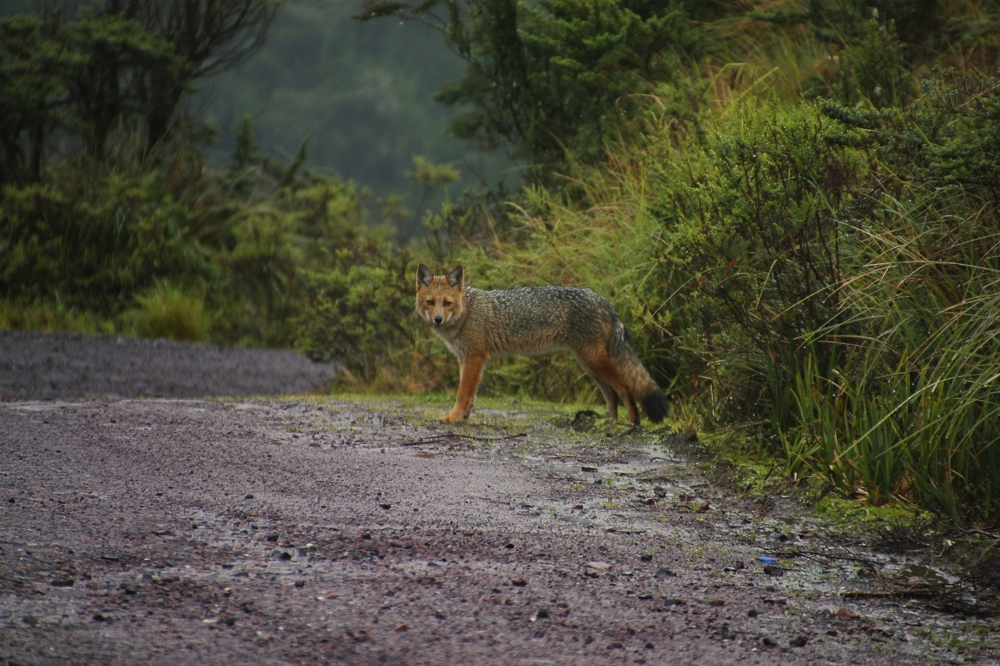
point(310, 530)
point(46, 367)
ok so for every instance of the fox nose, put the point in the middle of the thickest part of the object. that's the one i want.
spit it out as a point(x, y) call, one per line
point(438, 320)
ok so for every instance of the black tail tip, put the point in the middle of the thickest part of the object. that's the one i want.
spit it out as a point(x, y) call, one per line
point(656, 406)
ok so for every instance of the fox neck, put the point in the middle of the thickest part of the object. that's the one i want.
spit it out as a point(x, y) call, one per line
point(451, 330)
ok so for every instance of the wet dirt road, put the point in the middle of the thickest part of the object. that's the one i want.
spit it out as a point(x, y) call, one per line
point(315, 531)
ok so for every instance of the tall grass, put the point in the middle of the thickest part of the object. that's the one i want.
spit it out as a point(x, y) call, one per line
point(50, 316)
point(166, 311)
point(913, 410)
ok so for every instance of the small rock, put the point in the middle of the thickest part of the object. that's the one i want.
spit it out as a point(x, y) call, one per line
point(100, 617)
point(63, 582)
point(773, 570)
point(768, 641)
point(300, 583)
point(386, 506)
point(845, 613)
point(799, 641)
point(402, 627)
point(779, 536)
point(660, 491)
point(752, 613)
point(519, 582)
point(645, 596)
point(646, 557)
point(543, 612)
point(717, 602)
point(272, 536)
point(248, 496)
point(664, 573)
point(30, 620)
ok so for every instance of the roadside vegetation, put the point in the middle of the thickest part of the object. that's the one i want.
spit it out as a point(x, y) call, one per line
point(793, 205)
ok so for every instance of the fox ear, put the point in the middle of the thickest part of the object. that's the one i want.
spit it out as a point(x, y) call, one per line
point(424, 276)
point(456, 279)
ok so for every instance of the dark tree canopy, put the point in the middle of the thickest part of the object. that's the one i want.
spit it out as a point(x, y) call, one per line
point(556, 78)
point(92, 69)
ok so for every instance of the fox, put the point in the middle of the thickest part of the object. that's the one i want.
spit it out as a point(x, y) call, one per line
point(477, 324)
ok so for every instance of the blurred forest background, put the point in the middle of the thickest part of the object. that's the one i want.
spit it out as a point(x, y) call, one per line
point(363, 95)
point(793, 204)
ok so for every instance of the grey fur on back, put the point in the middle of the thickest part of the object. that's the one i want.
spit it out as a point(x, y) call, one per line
point(531, 316)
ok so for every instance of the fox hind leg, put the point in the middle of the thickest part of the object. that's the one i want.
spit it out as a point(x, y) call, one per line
point(608, 391)
point(596, 361)
point(610, 398)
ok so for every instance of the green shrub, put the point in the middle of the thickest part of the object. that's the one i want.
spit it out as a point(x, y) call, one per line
point(912, 409)
point(826, 275)
point(93, 242)
point(50, 316)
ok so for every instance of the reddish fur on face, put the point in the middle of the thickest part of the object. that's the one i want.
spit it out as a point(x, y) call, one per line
point(439, 301)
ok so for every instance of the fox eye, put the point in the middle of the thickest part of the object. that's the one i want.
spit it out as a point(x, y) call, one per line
point(447, 303)
point(430, 301)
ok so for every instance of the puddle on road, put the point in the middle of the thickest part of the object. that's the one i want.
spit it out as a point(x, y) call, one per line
point(39, 406)
point(920, 575)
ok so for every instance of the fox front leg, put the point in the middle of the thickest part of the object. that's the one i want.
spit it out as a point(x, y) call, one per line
point(471, 370)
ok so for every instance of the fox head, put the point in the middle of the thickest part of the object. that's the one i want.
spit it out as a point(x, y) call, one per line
point(440, 299)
